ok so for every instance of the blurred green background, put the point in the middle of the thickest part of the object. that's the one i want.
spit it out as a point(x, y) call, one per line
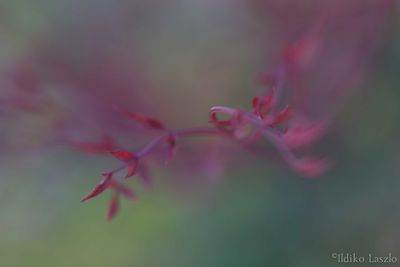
point(255, 214)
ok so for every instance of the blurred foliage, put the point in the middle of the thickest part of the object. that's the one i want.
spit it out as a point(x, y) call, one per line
point(257, 215)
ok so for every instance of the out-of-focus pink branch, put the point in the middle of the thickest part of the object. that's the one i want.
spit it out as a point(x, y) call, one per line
point(265, 119)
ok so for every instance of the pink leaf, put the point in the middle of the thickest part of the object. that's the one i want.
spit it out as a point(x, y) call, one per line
point(126, 192)
point(261, 106)
point(310, 167)
point(148, 122)
point(300, 136)
point(281, 117)
point(304, 51)
point(254, 102)
point(113, 206)
point(121, 189)
point(99, 188)
point(131, 170)
point(102, 147)
point(123, 155)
